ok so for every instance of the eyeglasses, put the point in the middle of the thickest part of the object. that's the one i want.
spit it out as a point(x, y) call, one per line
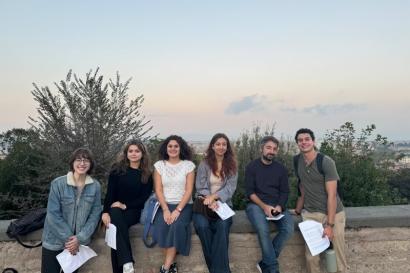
point(82, 160)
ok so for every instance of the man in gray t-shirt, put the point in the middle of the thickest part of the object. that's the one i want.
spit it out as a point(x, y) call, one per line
point(319, 200)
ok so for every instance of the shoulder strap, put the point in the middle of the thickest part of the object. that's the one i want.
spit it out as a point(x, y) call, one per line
point(26, 245)
point(296, 168)
point(296, 165)
point(147, 237)
point(319, 163)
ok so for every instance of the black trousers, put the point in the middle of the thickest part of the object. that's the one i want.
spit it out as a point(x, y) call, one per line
point(123, 219)
point(49, 263)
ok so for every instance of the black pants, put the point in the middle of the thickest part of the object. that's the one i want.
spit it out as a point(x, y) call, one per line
point(123, 219)
point(49, 263)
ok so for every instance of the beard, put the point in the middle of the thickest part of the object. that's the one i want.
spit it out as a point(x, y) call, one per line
point(268, 157)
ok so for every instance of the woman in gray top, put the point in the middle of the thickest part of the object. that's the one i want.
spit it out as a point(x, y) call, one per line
point(216, 180)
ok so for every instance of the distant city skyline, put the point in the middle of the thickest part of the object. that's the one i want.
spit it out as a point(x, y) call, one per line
point(219, 66)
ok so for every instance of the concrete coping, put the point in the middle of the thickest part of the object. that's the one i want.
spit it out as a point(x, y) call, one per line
point(356, 217)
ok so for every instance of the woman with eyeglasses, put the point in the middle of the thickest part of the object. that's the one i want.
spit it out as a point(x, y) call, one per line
point(173, 183)
point(129, 186)
point(73, 211)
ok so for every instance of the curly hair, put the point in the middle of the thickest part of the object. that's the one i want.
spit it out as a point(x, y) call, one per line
point(229, 164)
point(304, 131)
point(122, 163)
point(185, 152)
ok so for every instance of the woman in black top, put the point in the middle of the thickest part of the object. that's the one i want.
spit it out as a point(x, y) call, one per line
point(129, 186)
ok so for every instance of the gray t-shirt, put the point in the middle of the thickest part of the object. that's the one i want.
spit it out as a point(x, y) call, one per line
point(313, 183)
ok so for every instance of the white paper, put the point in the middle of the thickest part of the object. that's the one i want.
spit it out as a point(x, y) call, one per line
point(69, 263)
point(224, 211)
point(154, 212)
point(277, 217)
point(312, 232)
point(111, 236)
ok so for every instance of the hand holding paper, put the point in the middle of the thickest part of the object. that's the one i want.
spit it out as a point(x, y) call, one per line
point(312, 232)
point(224, 211)
point(111, 236)
point(69, 263)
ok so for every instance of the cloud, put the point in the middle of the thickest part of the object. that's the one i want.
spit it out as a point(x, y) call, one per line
point(326, 109)
point(253, 103)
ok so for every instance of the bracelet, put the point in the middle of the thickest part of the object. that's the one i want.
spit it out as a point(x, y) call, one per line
point(179, 210)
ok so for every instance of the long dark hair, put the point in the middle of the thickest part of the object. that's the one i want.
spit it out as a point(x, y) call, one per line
point(229, 165)
point(185, 152)
point(122, 163)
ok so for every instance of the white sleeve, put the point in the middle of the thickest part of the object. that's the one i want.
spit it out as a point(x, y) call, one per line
point(189, 166)
point(159, 166)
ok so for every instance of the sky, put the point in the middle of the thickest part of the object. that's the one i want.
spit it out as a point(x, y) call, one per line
point(219, 66)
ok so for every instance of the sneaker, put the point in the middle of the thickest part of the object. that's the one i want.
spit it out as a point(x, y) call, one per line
point(163, 270)
point(259, 268)
point(173, 268)
point(128, 268)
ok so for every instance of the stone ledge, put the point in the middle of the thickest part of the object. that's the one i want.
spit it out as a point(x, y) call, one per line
point(357, 217)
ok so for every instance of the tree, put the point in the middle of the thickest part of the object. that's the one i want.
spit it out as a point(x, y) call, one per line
point(401, 182)
point(87, 112)
point(78, 113)
point(19, 173)
point(363, 178)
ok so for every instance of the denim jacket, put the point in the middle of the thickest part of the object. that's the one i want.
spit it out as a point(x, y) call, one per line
point(65, 217)
point(203, 184)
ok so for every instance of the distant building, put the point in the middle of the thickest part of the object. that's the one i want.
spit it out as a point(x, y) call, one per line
point(199, 146)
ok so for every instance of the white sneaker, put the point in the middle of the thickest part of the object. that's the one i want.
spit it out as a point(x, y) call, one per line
point(259, 268)
point(128, 268)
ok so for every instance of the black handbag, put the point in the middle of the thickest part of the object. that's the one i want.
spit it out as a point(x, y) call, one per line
point(30, 222)
point(199, 207)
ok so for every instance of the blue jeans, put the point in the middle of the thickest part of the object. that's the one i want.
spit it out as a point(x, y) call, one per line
point(214, 236)
point(270, 249)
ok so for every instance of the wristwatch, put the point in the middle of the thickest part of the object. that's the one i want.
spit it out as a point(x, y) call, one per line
point(329, 225)
point(179, 209)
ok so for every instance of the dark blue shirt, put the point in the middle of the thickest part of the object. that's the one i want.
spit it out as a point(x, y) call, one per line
point(268, 182)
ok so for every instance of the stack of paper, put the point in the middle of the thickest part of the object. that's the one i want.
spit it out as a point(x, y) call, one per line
point(312, 232)
point(111, 236)
point(274, 218)
point(224, 211)
point(70, 263)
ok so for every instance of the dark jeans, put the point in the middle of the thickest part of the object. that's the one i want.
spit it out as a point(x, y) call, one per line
point(49, 263)
point(270, 249)
point(214, 236)
point(122, 219)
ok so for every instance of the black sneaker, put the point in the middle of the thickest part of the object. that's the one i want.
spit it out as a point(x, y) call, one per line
point(173, 268)
point(163, 270)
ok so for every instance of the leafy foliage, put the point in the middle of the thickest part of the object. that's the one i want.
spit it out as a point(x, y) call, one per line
point(87, 113)
point(363, 178)
point(20, 172)
point(401, 183)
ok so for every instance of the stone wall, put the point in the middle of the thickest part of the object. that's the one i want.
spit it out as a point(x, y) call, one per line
point(377, 240)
